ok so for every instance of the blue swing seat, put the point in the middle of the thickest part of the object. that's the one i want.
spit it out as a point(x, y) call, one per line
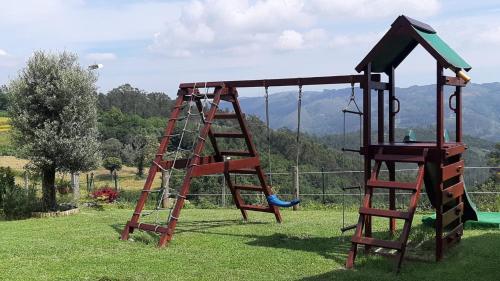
point(274, 200)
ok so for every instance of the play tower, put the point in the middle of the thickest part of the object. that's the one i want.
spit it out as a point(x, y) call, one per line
point(439, 162)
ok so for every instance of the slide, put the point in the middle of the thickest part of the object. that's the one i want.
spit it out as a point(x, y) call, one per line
point(471, 217)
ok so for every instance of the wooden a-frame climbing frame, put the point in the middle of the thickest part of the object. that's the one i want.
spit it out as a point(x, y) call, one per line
point(242, 162)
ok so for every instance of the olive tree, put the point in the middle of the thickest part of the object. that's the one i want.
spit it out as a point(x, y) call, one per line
point(54, 116)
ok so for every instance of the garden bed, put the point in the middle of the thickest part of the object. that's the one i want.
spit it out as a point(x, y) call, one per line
point(55, 214)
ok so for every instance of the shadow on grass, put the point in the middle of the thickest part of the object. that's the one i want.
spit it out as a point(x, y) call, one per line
point(201, 226)
point(474, 258)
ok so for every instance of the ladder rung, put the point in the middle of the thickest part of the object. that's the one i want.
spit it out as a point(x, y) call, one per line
point(384, 213)
point(396, 245)
point(257, 208)
point(400, 158)
point(225, 116)
point(347, 228)
point(235, 153)
point(244, 171)
point(392, 185)
point(229, 135)
point(249, 187)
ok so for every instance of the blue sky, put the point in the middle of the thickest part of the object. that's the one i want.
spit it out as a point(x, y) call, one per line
point(155, 45)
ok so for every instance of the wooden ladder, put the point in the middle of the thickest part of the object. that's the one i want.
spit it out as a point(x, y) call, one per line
point(247, 161)
point(366, 212)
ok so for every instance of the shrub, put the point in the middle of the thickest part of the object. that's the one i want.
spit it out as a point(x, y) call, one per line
point(112, 164)
point(105, 194)
point(6, 182)
point(20, 203)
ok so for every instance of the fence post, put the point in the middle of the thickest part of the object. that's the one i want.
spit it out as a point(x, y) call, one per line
point(92, 181)
point(223, 191)
point(296, 185)
point(323, 183)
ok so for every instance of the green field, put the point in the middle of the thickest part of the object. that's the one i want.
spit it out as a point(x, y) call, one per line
point(216, 245)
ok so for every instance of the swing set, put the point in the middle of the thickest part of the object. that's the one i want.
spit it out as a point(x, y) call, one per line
point(439, 163)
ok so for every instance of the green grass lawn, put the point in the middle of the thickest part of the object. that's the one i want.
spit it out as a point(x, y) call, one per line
point(216, 245)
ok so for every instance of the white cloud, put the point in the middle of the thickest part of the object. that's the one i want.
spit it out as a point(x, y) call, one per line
point(371, 9)
point(100, 57)
point(243, 27)
point(3, 53)
point(290, 40)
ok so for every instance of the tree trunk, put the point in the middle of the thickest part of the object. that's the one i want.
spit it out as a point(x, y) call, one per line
point(75, 184)
point(49, 189)
point(140, 167)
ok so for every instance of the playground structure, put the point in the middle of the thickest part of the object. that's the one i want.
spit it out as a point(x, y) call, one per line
point(439, 162)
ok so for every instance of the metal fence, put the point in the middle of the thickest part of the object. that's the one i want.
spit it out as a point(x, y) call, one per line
point(326, 188)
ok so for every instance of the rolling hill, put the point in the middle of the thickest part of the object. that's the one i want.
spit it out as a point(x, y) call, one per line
point(321, 110)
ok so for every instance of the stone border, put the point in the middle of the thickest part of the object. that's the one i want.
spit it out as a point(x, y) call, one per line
point(55, 214)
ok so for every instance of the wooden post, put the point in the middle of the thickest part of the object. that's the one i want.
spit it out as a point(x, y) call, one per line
point(115, 179)
point(88, 183)
point(391, 166)
point(439, 107)
point(458, 113)
point(165, 184)
point(439, 141)
point(367, 140)
point(75, 185)
point(223, 192)
point(323, 183)
point(296, 184)
point(91, 181)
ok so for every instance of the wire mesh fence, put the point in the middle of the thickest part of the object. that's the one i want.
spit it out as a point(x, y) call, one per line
point(336, 188)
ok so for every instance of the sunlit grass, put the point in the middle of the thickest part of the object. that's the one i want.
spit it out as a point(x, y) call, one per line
point(216, 245)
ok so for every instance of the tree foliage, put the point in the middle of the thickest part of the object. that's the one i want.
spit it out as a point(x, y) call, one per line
point(3, 98)
point(54, 116)
point(112, 164)
point(130, 100)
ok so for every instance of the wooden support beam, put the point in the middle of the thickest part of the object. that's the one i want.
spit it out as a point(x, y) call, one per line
point(453, 81)
point(320, 80)
point(225, 167)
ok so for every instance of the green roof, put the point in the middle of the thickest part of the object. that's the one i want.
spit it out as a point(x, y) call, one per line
point(405, 34)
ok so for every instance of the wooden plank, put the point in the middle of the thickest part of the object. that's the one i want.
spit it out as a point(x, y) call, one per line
point(453, 214)
point(319, 80)
point(454, 150)
point(453, 81)
point(182, 163)
point(453, 192)
point(148, 227)
point(452, 170)
point(453, 236)
point(227, 166)
point(384, 213)
point(396, 245)
point(399, 158)
point(244, 171)
point(257, 208)
point(392, 184)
